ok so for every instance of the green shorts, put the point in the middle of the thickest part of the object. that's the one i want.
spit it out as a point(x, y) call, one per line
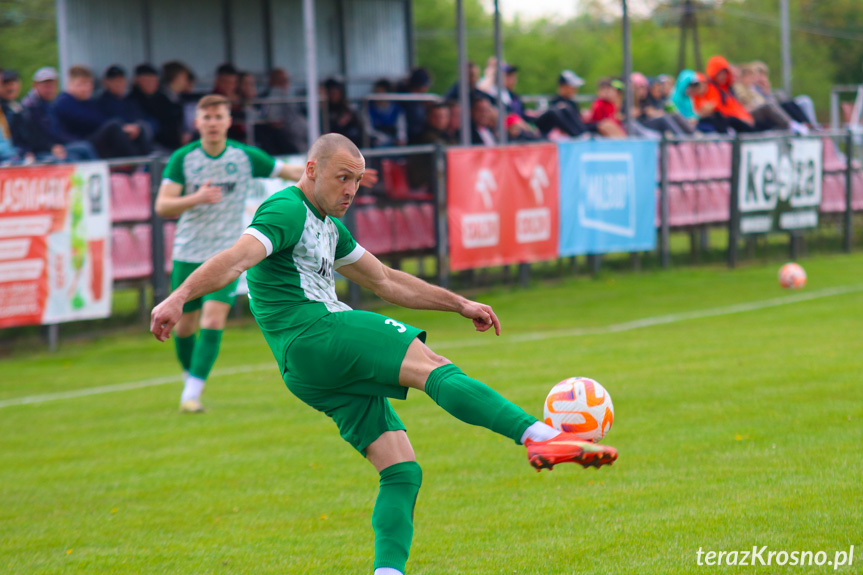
point(182, 270)
point(347, 365)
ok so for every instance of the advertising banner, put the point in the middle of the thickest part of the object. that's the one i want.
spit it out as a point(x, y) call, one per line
point(502, 205)
point(607, 196)
point(55, 244)
point(779, 185)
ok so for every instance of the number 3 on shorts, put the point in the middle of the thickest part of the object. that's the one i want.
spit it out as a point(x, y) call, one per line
point(396, 324)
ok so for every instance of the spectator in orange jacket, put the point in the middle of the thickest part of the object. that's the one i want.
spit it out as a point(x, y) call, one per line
point(719, 98)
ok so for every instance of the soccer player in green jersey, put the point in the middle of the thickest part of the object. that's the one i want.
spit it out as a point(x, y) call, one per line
point(206, 183)
point(347, 363)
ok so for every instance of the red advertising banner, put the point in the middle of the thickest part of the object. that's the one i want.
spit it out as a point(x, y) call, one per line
point(55, 232)
point(502, 205)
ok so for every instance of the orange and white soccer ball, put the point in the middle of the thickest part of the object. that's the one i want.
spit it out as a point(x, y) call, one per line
point(580, 405)
point(792, 276)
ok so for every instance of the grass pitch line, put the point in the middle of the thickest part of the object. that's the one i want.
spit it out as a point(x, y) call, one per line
point(518, 338)
point(129, 385)
point(657, 320)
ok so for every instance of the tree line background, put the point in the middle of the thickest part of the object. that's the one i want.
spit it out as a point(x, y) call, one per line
point(826, 41)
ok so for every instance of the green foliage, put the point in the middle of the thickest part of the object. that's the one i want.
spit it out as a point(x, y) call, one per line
point(28, 36)
point(827, 42)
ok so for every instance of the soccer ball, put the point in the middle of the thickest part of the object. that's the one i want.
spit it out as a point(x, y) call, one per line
point(792, 276)
point(580, 405)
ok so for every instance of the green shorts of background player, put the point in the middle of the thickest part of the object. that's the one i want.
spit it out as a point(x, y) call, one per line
point(348, 364)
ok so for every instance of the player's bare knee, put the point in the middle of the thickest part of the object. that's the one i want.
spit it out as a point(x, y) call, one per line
point(216, 323)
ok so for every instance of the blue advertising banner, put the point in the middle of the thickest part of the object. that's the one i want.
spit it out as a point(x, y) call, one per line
point(607, 196)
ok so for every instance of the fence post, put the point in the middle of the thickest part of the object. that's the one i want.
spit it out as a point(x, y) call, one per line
point(848, 234)
point(440, 193)
point(664, 232)
point(157, 244)
point(734, 208)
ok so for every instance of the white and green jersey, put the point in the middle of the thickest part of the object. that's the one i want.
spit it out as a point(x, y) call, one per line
point(294, 285)
point(207, 229)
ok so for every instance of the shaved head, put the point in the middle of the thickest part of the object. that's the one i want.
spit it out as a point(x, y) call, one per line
point(328, 145)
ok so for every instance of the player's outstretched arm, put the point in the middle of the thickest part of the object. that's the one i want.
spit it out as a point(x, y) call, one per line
point(214, 274)
point(170, 203)
point(403, 289)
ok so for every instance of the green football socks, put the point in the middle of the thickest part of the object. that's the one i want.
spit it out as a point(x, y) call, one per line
point(476, 403)
point(393, 516)
point(205, 353)
point(185, 346)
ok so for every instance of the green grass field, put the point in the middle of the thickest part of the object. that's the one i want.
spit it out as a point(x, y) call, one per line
point(734, 430)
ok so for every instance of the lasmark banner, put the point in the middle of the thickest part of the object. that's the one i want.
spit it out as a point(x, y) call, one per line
point(779, 185)
point(607, 196)
point(55, 244)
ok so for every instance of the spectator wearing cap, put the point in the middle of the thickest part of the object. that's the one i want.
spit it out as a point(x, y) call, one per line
point(42, 129)
point(81, 119)
point(145, 95)
point(658, 105)
point(342, 117)
point(114, 103)
point(418, 82)
point(564, 114)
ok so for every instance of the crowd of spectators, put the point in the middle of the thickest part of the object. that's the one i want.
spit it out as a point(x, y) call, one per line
point(151, 112)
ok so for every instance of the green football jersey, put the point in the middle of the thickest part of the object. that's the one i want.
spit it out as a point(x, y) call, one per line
point(207, 229)
point(294, 286)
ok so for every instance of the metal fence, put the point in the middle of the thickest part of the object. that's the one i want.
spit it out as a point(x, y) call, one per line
point(405, 215)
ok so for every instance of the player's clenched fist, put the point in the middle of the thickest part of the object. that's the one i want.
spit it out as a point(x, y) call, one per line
point(164, 317)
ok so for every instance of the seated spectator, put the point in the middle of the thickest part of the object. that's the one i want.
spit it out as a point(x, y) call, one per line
point(171, 132)
point(800, 109)
point(286, 116)
point(488, 85)
point(342, 117)
point(42, 133)
point(80, 119)
point(154, 105)
point(11, 111)
point(766, 113)
point(421, 168)
point(114, 104)
point(473, 78)
point(518, 130)
point(658, 101)
point(387, 123)
point(654, 119)
point(418, 83)
point(719, 103)
point(227, 82)
point(688, 85)
point(605, 112)
point(563, 112)
point(268, 137)
point(454, 127)
point(483, 119)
